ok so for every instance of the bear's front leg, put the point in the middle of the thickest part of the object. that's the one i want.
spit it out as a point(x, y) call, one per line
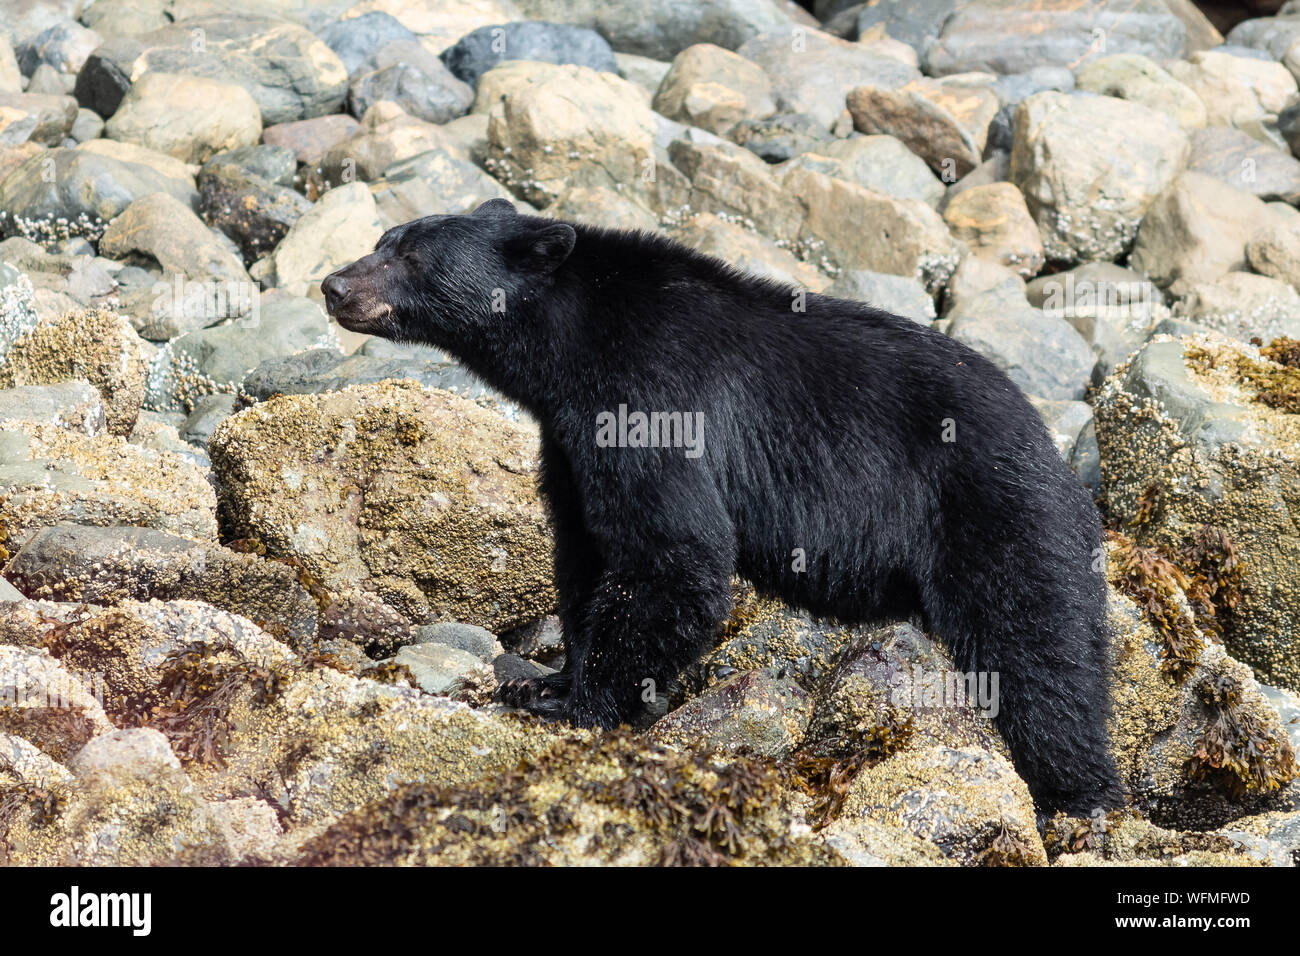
point(644, 623)
point(577, 566)
point(645, 550)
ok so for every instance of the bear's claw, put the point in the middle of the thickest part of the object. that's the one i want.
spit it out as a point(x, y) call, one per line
point(544, 696)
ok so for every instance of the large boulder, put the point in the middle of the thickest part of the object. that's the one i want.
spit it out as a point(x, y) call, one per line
point(563, 126)
point(93, 345)
point(994, 221)
point(714, 89)
point(946, 124)
point(1200, 433)
point(663, 28)
point(861, 229)
point(290, 73)
point(1131, 76)
point(160, 228)
point(1012, 36)
point(1089, 166)
point(425, 499)
point(189, 117)
point(1197, 230)
point(477, 52)
point(1195, 740)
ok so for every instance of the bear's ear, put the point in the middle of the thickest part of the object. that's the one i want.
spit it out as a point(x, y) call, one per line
point(540, 248)
point(495, 209)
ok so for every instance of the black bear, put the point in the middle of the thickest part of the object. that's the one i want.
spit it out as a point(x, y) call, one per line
point(698, 422)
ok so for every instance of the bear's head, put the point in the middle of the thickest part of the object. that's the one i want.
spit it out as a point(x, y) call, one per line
point(439, 279)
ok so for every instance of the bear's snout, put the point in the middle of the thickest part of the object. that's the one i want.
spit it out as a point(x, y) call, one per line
point(336, 289)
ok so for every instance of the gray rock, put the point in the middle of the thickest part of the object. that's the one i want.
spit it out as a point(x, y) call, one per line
point(1242, 305)
point(209, 411)
point(513, 667)
point(160, 228)
point(63, 47)
point(914, 22)
point(275, 164)
point(311, 139)
point(1288, 708)
point(1196, 230)
point(80, 563)
point(1012, 36)
point(1182, 416)
point(477, 52)
point(46, 80)
point(86, 126)
point(31, 679)
point(254, 212)
point(746, 249)
point(1271, 35)
point(751, 712)
point(713, 89)
point(1065, 421)
point(897, 294)
point(430, 93)
point(1131, 76)
point(289, 72)
point(1041, 353)
point(1243, 162)
point(663, 28)
point(1111, 307)
point(475, 640)
point(1013, 89)
point(812, 72)
point(322, 370)
point(1066, 144)
point(541, 641)
point(341, 227)
point(775, 139)
point(77, 192)
point(439, 669)
point(880, 163)
point(435, 181)
point(42, 118)
point(217, 359)
point(356, 41)
point(74, 405)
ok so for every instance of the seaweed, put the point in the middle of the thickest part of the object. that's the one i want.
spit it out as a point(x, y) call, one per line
point(702, 809)
point(827, 774)
point(199, 685)
point(1238, 752)
point(42, 804)
point(1157, 584)
point(1276, 380)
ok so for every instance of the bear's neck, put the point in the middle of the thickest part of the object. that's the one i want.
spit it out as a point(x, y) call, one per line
point(528, 358)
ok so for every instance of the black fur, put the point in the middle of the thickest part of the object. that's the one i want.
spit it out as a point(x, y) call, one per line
point(824, 430)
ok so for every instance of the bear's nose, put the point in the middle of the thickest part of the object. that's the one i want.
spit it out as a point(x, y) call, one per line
point(336, 290)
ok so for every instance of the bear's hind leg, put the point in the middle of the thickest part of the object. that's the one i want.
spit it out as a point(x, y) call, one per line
point(1045, 636)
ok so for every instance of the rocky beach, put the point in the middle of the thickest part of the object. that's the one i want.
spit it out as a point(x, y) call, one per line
point(261, 576)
